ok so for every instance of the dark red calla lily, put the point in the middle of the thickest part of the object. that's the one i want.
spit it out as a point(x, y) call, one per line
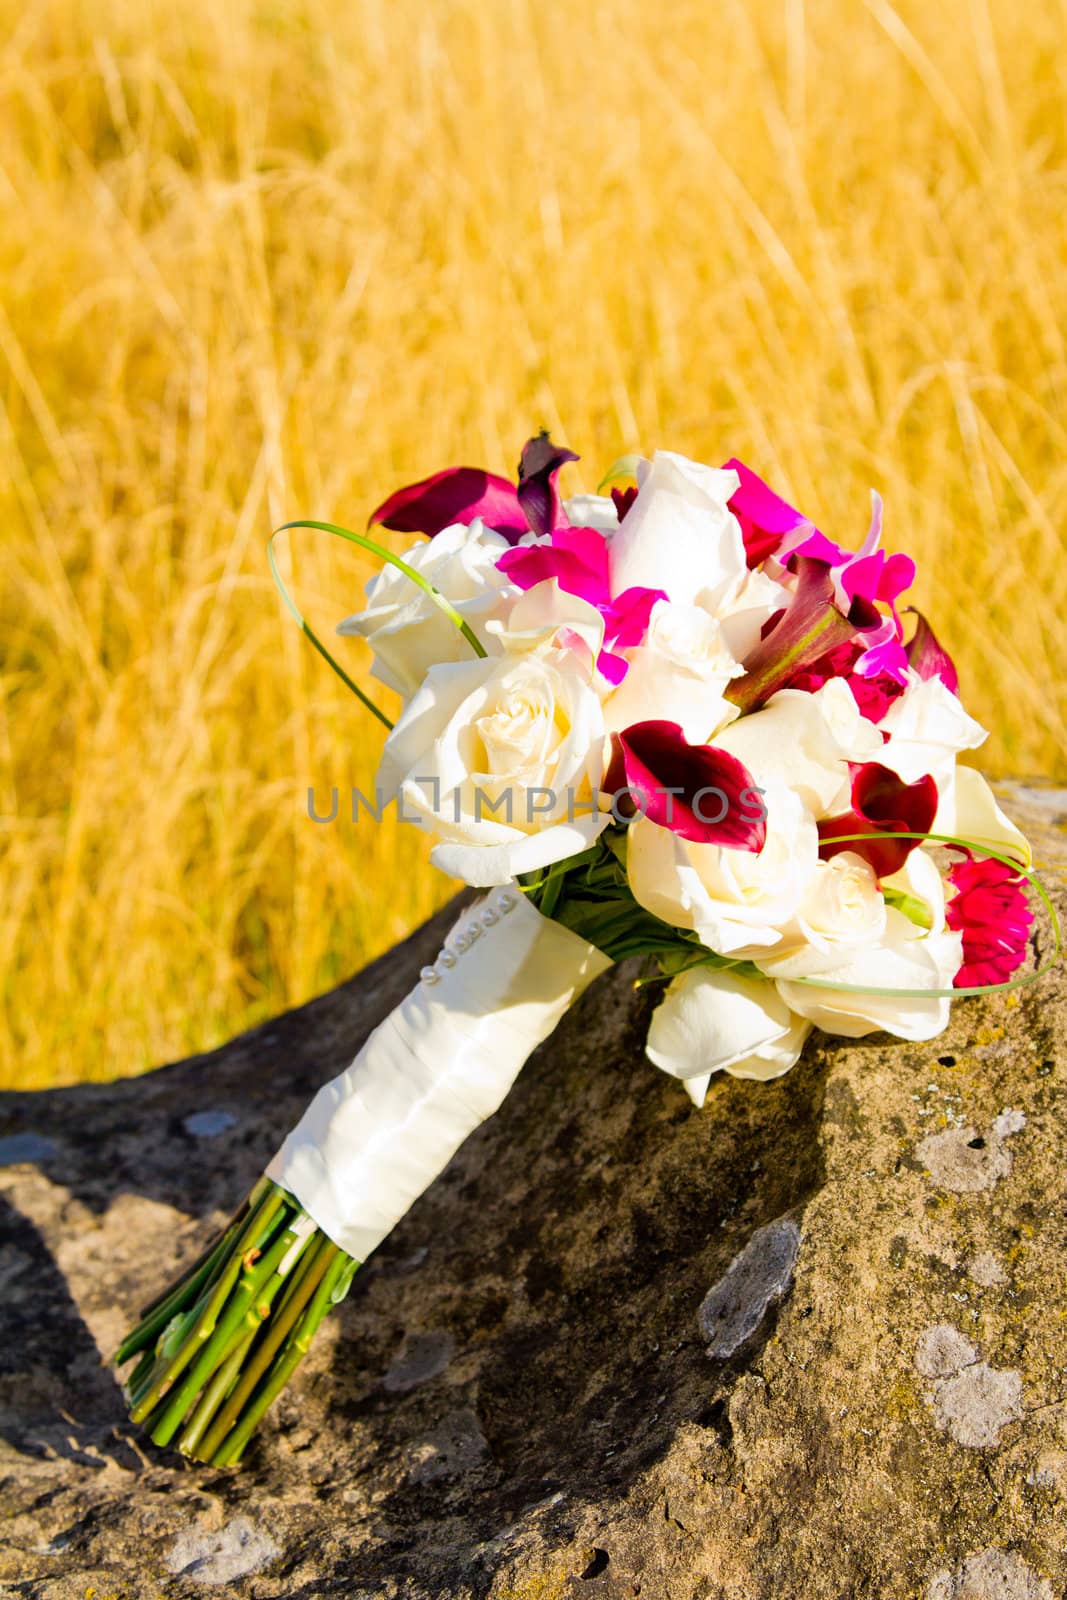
point(881, 803)
point(702, 794)
point(459, 494)
point(624, 499)
point(927, 656)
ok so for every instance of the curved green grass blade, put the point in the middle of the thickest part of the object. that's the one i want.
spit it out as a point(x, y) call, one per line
point(374, 548)
point(313, 637)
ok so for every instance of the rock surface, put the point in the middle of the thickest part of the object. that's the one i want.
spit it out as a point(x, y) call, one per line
point(517, 1400)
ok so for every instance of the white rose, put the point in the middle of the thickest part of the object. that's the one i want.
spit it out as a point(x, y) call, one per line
point(739, 903)
point(719, 1022)
point(679, 534)
point(680, 672)
point(805, 742)
point(842, 910)
point(547, 614)
point(523, 734)
point(906, 958)
point(749, 602)
point(407, 631)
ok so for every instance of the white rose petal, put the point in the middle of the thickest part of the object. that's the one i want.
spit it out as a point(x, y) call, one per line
point(716, 1021)
point(407, 630)
point(502, 759)
point(746, 605)
point(905, 959)
point(804, 742)
point(537, 618)
point(927, 728)
point(679, 535)
point(679, 673)
point(592, 511)
point(842, 909)
point(738, 902)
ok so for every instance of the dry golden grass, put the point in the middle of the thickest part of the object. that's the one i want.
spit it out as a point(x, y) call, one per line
point(264, 260)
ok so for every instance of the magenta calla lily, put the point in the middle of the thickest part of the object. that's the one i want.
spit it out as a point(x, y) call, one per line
point(881, 803)
point(702, 794)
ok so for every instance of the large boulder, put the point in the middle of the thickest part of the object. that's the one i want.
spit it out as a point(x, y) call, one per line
point(810, 1341)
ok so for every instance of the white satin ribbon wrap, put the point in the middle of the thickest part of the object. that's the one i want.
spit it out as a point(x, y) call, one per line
point(377, 1136)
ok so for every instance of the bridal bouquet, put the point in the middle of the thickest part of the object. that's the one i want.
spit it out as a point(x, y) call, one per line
point(676, 722)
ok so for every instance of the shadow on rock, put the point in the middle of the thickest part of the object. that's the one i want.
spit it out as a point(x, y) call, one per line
point(562, 1259)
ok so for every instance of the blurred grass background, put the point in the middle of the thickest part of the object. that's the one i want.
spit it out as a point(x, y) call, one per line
point(266, 259)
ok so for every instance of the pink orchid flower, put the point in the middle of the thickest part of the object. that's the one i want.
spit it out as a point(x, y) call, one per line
point(578, 560)
point(862, 579)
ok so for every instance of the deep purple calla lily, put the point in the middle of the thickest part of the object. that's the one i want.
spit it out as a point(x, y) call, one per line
point(538, 495)
point(456, 495)
point(704, 795)
point(459, 494)
point(881, 803)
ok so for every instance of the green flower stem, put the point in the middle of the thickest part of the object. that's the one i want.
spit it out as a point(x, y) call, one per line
point(289, 1358)
point(219, 1345)
point(201, 1318)
point(365, 543)
point(213, 1396)
point(155, 1317)
point(319, 1261)
point(247, 1305)
point(181, 1283)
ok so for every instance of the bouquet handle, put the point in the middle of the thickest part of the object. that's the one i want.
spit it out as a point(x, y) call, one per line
point(375, 1138)
point(218, 1346)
